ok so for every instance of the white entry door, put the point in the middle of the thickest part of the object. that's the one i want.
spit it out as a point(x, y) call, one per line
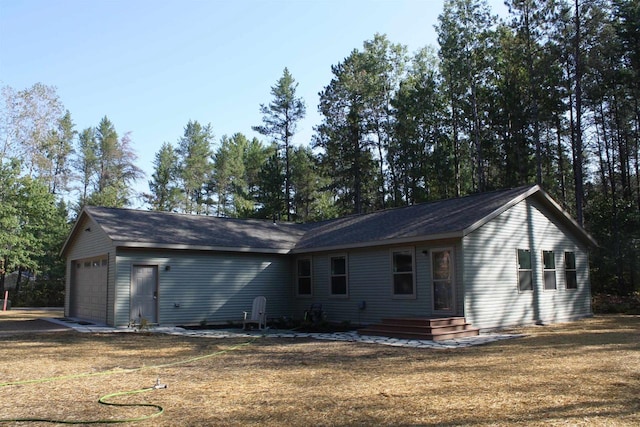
point(144, 293)
point(443, 286)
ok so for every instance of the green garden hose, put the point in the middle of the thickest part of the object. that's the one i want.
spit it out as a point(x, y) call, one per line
point(104, 399)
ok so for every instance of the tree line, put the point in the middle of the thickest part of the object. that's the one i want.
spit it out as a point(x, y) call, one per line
point(548, 94)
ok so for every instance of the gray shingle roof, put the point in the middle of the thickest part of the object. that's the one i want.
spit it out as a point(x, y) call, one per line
point(441, 219)
point(128, 227)
point(444, 218)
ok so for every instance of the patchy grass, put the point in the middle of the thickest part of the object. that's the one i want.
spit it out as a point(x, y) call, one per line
point(581, 373)
point(28, 314)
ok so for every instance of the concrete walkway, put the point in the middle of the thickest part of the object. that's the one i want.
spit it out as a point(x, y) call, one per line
point(351, 336)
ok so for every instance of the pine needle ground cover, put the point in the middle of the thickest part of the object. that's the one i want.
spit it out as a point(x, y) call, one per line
point(580, 373)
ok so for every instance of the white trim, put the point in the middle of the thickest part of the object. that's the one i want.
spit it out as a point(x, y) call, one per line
point(518, 269)
point(452, 279)
point(297, 277)
point(346, 275)
point(414, 293)
point(574, 269)
point(544, 270)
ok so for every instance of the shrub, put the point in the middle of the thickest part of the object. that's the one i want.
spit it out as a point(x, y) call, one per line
point(39, 293)
point(608, 303)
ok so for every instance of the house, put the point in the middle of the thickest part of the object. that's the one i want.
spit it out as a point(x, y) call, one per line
point(502, 258)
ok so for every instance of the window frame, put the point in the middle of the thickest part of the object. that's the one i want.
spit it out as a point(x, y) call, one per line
point(434, 279)
point(524, 270)
point(546, 270)
point(568, 270)
point(299, 276)
point(345, 275)
point(412, 252)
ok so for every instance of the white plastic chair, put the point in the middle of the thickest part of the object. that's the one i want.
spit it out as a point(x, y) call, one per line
point(258, 315)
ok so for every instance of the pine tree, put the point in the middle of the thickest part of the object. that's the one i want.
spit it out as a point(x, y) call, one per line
point(107, 167)
point(344, 135)
point(280, 119)
point(195, 166)
point(419, 147)
point(165, 194)
point(465, 34)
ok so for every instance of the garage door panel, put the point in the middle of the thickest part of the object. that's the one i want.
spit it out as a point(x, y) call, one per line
point(89, 289)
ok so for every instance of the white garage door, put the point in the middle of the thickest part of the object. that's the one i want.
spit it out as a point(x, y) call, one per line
point(89, 289)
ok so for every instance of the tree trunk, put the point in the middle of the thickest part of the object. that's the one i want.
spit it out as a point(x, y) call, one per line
point(533, 93)
point(561, 165)
point(456, 144)
point(357, 166)
point(19, 279)
point(476, 138)
point(287, 181)
point(578, 146)
point(636, 152)
point(382, 187)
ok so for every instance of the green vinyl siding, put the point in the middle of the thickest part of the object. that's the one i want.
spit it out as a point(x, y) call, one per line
point(492, 296)
point(214, 287)
point(371, 281)
point(91, 242)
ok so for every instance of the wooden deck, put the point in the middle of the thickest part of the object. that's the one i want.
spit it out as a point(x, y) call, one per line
point(420, 328)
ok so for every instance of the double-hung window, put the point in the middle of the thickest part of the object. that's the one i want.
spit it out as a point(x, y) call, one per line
point(339, 280)
point(304, 277)
point(549, 262)
point(570, 272)
point(525, 274)
point(403, 283)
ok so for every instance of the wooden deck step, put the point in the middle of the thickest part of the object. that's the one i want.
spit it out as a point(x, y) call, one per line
point(435, 329)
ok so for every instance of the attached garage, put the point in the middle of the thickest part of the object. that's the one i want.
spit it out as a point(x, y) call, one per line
point(89, 278)
point(89, 288)
point(134, 267)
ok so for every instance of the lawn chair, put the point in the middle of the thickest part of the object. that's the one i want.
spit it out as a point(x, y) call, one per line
point(258, 315)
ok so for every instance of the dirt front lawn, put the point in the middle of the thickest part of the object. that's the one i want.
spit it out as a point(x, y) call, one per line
point(19, 321)
point(581, 373)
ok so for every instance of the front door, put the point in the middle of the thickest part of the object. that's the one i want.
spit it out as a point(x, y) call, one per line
point(443, 285)
point(144, 293)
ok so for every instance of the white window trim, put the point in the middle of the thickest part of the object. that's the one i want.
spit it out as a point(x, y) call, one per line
point(414, 294)
point(518, 270)
point(575, 269)
point(544, 270)
point(297, 278)
point(346, 274)
point(454, 295)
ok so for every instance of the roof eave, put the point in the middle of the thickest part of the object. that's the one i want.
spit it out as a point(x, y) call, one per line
point(374, 243)
point(473, 227)
point(578, 229)
point(74, 230)
point(243, 249)
point(588, 238)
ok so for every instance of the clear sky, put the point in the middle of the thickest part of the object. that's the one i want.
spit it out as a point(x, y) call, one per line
point(153, 65)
